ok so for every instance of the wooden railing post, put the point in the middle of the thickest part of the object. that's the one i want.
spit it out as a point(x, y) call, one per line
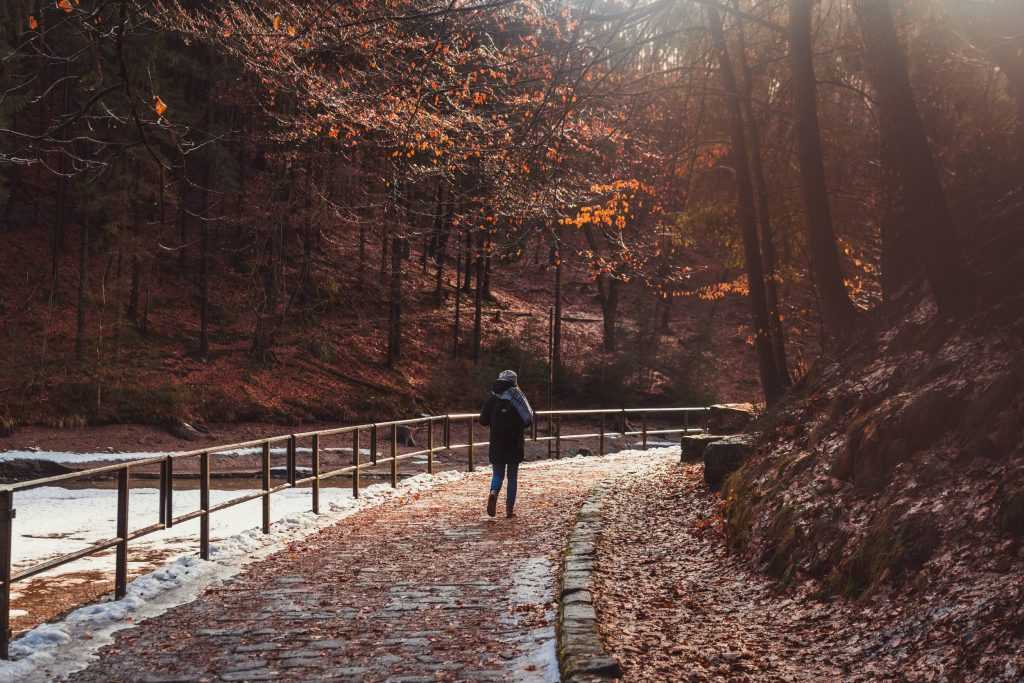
point(447, 432)
point(7, 514)
point(686, 422)
point(355, 463)
point(265, 475)
point(643, 429)
point(558, 436)
point(204, 505)
point(316, 473)
point(170, 492)
point(121, 556)
point(292, 460)
point(394, 456)
point(471, 468)
point(551, 431)
point(430, 446)
point(373, 444)
point(623, 429)
point(163, 493)
point(600, 446)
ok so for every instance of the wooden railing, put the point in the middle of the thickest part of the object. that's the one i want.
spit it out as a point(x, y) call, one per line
point(692, 420)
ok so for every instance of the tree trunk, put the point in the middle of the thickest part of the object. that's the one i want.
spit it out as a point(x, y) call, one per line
point(467, 274)
point(917, 226)
point(771, 379)
point(204, 265)
point(362, 254)
point(307, 238)
point(556, 331)
point(478, 306)
point(83, 284)
point(458, 303)
point(133, 292)
point(204, 290)
point(837, 310)
point(442, 234)
point(385, 239)
point(768, 254)
point(607, 294)
point(395, 308)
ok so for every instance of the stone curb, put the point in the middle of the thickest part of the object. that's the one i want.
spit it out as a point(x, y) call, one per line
point(581, 656)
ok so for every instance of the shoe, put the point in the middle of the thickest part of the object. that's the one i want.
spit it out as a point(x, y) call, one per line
point(492, 504)
point(509, 514)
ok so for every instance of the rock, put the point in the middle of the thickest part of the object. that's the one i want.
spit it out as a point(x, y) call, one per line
point(724, 456)
point(183, 430)
point(693, 446)
point(585, 452)
point(729, 418)
point(406, 436)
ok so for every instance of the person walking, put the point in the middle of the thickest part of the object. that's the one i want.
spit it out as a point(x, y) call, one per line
point(507, 412)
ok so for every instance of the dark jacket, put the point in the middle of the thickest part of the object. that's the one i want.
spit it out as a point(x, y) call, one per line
point(507, 442)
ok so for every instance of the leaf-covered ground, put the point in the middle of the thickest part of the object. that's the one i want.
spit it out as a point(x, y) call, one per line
point(674, 604)
point(423, 588)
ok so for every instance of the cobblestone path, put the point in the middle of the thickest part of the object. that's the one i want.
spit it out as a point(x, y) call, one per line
point(427, 589)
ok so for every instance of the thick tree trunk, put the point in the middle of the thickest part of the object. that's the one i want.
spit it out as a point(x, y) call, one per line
point(917, 225)
point(771, 379)
point(837, 310)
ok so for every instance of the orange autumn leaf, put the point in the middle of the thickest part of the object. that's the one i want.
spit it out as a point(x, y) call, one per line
point(32, 23)
point(64, 5)
point(277, 22)
point(158, 105)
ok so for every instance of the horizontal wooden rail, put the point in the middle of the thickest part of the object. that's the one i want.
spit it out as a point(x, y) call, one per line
point(377, 431)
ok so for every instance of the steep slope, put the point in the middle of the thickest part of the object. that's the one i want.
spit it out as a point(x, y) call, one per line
point(895, 473)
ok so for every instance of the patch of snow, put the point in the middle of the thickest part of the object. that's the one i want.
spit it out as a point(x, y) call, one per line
point(69, 458)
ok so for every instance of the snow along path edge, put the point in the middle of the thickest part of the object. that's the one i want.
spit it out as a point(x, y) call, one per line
point(581, 655)
point(53, 650)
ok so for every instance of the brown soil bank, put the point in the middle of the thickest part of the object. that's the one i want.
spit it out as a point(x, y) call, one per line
point(895, 473)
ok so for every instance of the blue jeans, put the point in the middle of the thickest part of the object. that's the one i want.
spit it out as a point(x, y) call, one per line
point(497, 477)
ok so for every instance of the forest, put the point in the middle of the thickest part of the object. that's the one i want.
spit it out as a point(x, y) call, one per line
point(221, 180)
